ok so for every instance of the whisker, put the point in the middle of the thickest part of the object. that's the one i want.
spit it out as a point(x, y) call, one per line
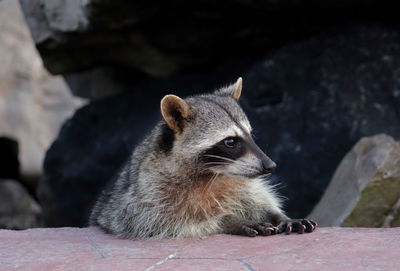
point(216, 163)
point(219, 157)
point(241, 165)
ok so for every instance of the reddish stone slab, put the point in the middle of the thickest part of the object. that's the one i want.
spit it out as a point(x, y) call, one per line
point(67, 249)
point(338, 249)
point(203, 265)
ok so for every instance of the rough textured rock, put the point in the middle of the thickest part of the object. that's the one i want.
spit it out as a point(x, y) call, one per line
point(330, 249)
point(365, 187)
point(309, 102)
point(379, 205)
point(174, 36)
point(33, 104)
point(18, 210)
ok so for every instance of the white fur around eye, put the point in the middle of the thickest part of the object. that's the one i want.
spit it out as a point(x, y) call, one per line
point(246, 126)
point(210, 139)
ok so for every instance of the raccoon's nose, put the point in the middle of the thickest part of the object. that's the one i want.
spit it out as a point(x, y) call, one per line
point(269, 166)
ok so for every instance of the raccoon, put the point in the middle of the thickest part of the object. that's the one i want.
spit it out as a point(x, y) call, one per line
point(199, 172)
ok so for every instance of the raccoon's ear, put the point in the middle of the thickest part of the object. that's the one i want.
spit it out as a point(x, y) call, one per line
point(233, 90)
point(175, 112)
point(237, 89)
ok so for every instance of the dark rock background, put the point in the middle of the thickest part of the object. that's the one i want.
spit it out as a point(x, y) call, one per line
point(318, 75)
point(118, 43)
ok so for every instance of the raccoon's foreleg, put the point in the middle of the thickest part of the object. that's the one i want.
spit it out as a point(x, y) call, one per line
point(288, 225)
point(238, 226)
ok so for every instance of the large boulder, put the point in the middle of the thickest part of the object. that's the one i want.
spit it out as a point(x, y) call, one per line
point(33, 103)
point(130, 39)
point(312, 101)
point(309, 103)
point(365, 189)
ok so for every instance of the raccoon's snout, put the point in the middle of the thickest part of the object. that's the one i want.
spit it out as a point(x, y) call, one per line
point(269, 166)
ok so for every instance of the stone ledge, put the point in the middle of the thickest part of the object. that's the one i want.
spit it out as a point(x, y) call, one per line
point(88, 249)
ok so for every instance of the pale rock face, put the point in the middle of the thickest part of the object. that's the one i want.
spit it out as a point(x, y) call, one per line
point(46, 17)
point(363, 189)
point(33, 103)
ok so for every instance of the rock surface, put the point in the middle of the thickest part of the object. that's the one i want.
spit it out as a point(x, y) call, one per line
point(33, 104)
point(18, 210)
point(365, 187)
point(174, 36)
point(89, 249)
point(309, 103)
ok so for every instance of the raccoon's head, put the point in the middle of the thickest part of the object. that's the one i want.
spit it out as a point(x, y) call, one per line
point(213, 132)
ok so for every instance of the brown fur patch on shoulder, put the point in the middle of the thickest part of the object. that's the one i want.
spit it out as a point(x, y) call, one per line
point(206, 198)
point(214, 197)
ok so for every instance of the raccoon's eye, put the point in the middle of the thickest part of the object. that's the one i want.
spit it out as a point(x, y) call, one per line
point(230, 142)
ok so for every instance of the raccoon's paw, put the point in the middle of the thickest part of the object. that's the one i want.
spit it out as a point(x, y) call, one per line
point(252, 229)
point(297, 225)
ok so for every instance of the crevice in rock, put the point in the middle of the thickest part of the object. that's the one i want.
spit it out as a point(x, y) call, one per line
point(392, 215)
point(246, 265)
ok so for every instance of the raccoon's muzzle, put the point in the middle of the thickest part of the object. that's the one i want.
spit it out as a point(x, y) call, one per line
point(268, 165)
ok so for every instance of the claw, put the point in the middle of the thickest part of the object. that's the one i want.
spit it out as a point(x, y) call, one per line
point(297, 225)
point(288, 229)
point(250, 232)
point(302, 229)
